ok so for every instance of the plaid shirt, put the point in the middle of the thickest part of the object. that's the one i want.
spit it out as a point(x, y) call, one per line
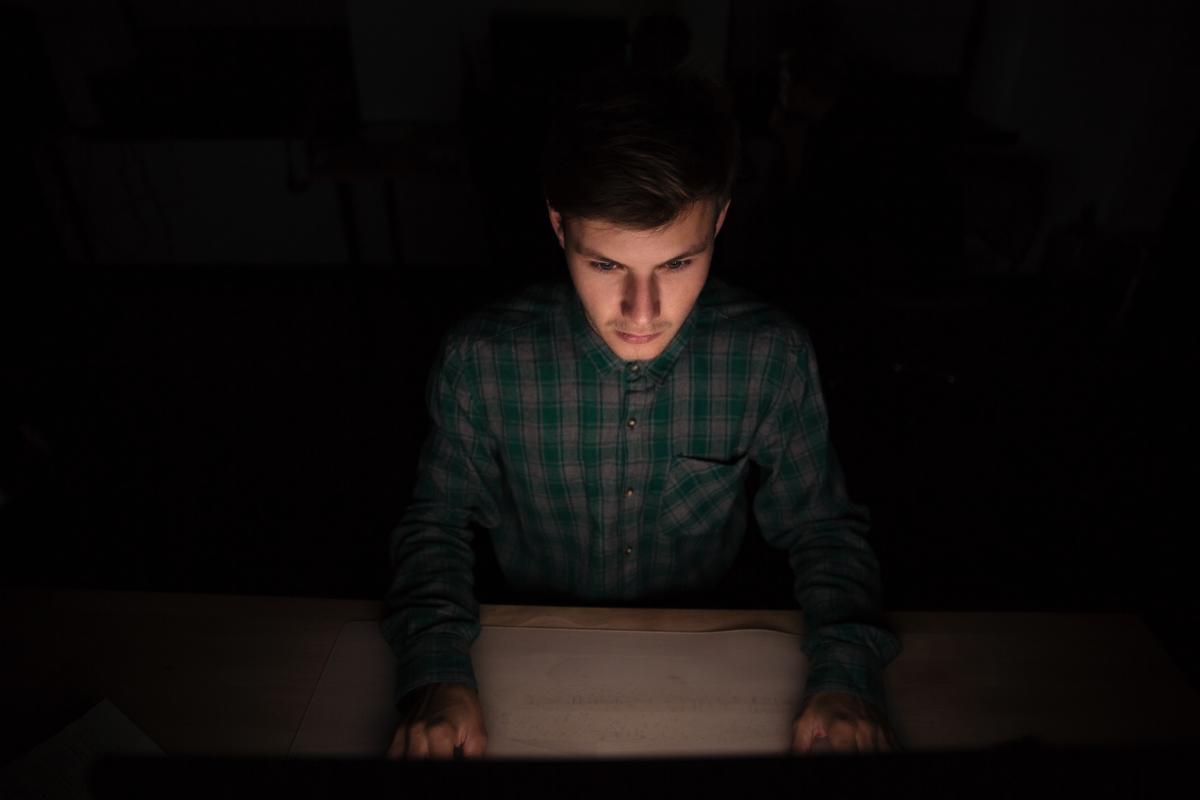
point(613, 481)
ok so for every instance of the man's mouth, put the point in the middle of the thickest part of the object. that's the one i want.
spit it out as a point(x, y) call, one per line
point(638, 338)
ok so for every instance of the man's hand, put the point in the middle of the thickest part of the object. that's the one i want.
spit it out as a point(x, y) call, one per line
point(439, 721)
point(840, 722)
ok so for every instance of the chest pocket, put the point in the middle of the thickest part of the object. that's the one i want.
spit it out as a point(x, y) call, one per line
point(698, 495)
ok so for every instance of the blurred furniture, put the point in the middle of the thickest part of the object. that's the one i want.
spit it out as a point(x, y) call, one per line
point(405, 154)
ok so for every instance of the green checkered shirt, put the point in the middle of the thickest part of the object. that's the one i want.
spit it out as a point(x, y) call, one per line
point(612, 481)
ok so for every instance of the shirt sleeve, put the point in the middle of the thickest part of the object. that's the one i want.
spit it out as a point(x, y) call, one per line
point(802, 507)
point(431, 615)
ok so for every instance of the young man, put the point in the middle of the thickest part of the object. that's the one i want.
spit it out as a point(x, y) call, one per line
point(602, 431)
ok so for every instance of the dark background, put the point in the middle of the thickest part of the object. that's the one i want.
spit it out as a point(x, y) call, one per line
point(235, 232)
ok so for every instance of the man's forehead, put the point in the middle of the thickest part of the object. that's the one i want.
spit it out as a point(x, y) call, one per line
point(686, 235)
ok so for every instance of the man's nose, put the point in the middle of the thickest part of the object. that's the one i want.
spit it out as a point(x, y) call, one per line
point(640, 301)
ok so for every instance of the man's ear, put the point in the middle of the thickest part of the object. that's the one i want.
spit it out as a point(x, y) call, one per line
point(556, 222)
point(721, 217)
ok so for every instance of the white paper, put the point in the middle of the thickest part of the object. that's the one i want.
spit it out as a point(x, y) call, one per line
point(58, 768)
point(576, 693)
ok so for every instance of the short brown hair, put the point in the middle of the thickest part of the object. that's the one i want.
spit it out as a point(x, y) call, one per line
point(636, 149)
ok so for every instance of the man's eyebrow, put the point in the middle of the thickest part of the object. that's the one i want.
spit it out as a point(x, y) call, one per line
point(598, 256)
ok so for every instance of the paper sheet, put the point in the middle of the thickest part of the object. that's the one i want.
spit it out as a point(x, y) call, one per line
point(58, 768)
point(551, 693)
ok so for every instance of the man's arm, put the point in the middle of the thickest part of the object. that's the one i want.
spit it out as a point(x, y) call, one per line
point(802, 506)
point(431, 613)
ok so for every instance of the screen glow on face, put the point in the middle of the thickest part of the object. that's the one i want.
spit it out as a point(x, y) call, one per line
point(638, 286)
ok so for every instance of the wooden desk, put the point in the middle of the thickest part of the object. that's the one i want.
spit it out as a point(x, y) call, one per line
point(209, 674)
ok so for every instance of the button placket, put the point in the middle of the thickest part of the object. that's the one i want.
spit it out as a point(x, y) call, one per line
point(634, 445)
point(628, 516)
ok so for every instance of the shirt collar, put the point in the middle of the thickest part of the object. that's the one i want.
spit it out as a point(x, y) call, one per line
point(594, 351)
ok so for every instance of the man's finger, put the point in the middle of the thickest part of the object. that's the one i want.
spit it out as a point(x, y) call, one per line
point(441, 741)
point(890, 743)
point(820, 744)
point(882, 744)
point(396, 748)
point(803, 736)
point(474, 745)
point(866, 737)
point(418, 745)
point(841, 736)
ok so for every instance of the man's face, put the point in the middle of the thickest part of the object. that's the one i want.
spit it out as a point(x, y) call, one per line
point(637, 287)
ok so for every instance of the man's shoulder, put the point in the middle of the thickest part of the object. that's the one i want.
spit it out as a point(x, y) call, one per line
point(517, 314)
point(727, 308)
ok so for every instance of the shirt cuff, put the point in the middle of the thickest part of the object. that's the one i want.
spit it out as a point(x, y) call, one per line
point(436, 658)
point(835, 666)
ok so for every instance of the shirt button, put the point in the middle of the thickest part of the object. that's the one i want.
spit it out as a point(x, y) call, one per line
point(629, 492)
point(632, 422)
point(634, 367)
point(628, 550)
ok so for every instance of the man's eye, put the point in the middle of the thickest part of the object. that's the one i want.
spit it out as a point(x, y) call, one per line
point(678, 264)
point(604, 266)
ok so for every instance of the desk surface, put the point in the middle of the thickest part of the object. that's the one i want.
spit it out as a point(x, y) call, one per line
point(234, 674)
